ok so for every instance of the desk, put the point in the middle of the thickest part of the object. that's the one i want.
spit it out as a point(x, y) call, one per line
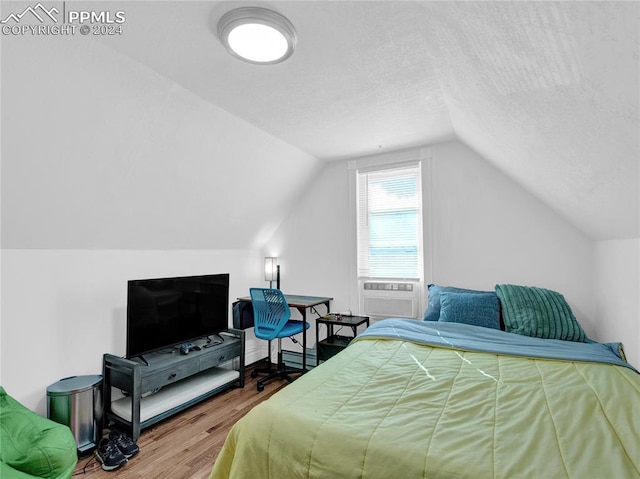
point(301, 303)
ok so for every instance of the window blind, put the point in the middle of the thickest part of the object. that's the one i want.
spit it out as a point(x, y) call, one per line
point(390, 222)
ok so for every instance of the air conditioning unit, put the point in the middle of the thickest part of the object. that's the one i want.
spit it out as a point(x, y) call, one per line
point(389, 299)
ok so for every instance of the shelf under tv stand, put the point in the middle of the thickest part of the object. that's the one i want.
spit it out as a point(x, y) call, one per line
point(174, 381)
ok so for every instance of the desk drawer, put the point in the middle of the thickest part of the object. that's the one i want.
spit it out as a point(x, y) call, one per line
point(169, 375)
point(220, 355)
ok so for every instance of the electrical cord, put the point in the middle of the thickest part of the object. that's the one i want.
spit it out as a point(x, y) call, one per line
point(84, 469)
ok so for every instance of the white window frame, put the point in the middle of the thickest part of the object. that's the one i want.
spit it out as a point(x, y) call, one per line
point(363, 175)
point(356, 292)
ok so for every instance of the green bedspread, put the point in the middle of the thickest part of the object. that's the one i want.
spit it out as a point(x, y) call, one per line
point(392, 408)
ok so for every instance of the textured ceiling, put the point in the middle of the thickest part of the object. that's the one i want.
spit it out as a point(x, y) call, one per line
point(546, 91)
point(549, 93)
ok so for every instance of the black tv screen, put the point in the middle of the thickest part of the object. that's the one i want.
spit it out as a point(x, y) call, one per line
point(164, 312)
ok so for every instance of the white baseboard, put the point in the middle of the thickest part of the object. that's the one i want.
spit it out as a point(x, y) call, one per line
point(254, 350)
point(254, 356)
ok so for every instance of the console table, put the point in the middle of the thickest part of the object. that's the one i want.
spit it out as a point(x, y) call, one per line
point(166, 382)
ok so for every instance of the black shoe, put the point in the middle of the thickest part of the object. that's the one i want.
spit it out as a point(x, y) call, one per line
point(124, 443)
point(109, 455)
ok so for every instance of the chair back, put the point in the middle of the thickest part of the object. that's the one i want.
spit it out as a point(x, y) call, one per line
point(270, 312)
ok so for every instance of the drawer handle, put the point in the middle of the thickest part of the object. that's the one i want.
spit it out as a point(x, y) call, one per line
point(172, 376)
point(221, 357)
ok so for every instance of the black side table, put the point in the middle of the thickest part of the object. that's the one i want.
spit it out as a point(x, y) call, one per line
point(334, 343)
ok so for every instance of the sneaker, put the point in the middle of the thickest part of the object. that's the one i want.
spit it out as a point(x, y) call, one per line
point(109, 455)
point(124, 443)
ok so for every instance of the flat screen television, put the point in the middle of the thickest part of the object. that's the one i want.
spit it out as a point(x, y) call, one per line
point(165, 312)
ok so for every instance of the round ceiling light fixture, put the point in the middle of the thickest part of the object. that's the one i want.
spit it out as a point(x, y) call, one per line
point(257, 35)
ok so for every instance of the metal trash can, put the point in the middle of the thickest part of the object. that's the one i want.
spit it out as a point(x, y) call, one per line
point(76, 402)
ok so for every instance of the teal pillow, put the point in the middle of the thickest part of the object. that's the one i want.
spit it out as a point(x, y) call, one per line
point(432, 313)
point(538, 312)
point(478, 309)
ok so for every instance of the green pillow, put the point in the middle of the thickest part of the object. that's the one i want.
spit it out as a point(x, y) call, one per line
point(538, 312)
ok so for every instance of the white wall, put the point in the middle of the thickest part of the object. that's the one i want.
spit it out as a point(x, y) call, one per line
point(101, 152)
point(63, 309)
point(313, 246)
point(484, 229)
point(487, 229)
point(617, 295)
point(110, 171)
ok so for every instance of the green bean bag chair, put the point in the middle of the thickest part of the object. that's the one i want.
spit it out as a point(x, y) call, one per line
point(32, 446)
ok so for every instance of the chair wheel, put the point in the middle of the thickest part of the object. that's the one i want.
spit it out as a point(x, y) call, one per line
point(254, 374)
point(260, 387)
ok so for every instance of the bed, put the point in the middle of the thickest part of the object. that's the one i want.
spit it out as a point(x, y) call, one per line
point(447, 399)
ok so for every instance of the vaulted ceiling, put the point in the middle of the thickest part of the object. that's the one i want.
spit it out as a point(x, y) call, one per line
point(546, 91)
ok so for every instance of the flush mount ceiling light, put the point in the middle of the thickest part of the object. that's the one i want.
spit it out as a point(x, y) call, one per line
point(257, 35)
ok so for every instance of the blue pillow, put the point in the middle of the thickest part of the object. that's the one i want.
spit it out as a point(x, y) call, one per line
point(432, 312)
point(478, 309)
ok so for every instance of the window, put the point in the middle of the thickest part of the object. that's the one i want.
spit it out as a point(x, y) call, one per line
point(390, 222)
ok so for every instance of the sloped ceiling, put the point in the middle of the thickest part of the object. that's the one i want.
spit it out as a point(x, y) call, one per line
point(546, 91)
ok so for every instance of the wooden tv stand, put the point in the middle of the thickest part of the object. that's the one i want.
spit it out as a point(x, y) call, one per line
point(174, 381)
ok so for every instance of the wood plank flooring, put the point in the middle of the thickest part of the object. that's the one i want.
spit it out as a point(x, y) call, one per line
point(186, 445)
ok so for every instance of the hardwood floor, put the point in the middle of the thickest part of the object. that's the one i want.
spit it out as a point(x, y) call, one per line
point(186, 445)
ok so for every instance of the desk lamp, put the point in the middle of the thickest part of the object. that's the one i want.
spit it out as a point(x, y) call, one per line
point(272, 271)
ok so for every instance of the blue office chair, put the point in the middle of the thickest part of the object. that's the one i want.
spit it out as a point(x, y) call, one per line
point(271, 315)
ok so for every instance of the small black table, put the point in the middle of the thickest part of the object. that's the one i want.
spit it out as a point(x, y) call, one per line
point(334, 343)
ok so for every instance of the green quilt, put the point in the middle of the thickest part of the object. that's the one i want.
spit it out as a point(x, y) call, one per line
point(392, 408)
